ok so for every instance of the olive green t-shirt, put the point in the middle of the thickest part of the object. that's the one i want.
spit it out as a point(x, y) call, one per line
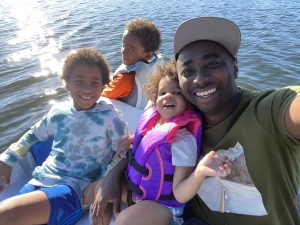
point(262, 188)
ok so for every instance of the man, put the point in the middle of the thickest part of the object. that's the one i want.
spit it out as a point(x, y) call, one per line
point(258, 131)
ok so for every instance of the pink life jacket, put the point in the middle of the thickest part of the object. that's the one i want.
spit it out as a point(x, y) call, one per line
point(150, 170)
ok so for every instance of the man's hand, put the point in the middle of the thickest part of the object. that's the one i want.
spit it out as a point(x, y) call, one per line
point(107, 191)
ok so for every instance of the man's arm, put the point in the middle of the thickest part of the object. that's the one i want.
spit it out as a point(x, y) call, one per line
point(110, 190)
point(292, 118)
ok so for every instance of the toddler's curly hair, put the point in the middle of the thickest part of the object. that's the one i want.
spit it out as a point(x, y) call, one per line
point(161, 71)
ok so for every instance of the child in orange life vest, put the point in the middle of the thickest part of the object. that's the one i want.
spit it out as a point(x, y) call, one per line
point(141, 42)
point(169, 106)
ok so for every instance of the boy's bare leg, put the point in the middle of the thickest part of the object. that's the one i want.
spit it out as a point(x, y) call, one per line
point(146, 213)
point(30, 208)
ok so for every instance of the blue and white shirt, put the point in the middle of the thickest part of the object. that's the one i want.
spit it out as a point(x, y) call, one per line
point(83, 144)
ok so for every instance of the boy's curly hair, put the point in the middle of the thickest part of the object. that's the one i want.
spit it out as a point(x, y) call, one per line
point(87, 56)
point(161, 71)
point(147, 32)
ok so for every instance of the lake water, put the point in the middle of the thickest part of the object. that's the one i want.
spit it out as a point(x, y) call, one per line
point(35, 36)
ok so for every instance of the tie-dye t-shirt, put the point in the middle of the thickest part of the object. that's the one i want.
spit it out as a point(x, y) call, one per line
point(83, 144)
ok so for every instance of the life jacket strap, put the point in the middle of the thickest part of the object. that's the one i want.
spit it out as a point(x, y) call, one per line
point(168, 177)
point(134, 188)
point(144, 171)
point(167, 197)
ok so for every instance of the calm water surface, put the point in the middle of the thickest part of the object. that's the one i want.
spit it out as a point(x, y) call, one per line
point(35, 36)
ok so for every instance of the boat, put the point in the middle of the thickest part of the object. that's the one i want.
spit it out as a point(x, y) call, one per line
point(22, 172)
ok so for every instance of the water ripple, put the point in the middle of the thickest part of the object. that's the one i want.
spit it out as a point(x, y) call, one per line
point(37, 35)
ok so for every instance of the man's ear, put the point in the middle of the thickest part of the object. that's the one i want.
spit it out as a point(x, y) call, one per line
point(235, 68)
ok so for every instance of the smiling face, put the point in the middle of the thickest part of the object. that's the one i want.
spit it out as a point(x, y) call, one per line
point(85, 86)
point(170, 100)
point(207, 74)
point(132, 49)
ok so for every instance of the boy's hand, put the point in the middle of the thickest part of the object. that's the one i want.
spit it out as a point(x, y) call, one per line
point(213, 165)
point(5, 172)
point(123, 147)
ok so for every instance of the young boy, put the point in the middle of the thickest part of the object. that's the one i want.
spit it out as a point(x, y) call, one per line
point(141, 42)
point(85, 132)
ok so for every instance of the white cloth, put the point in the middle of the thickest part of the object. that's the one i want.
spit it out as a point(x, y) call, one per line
point(184, 149)
point(138, 98)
